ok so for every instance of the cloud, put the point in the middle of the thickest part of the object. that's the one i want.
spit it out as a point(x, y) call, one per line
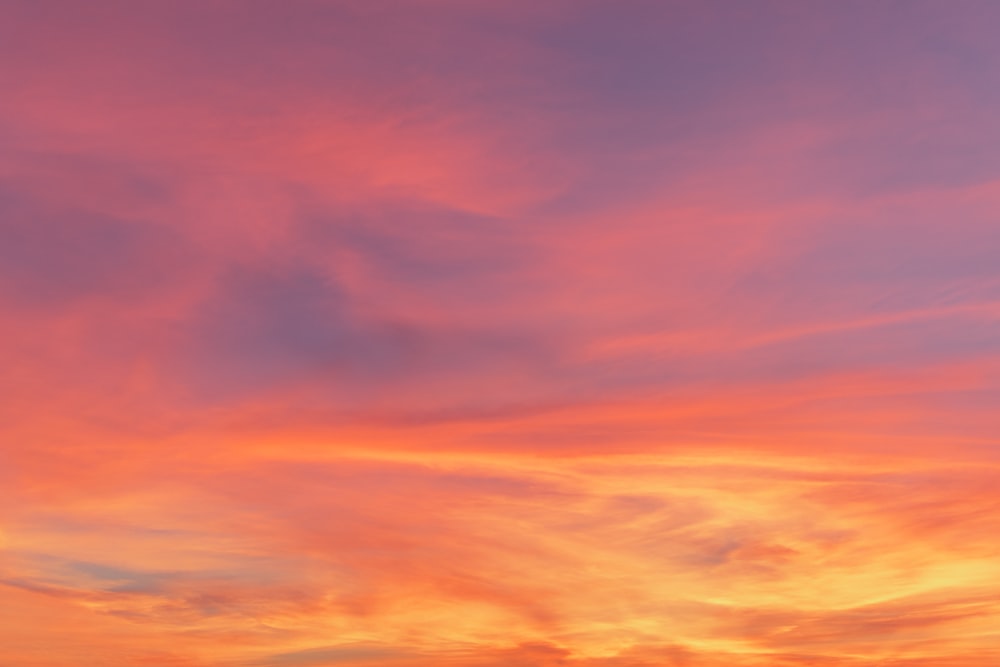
point(440, 333)
point(268, 325)
point(775, 558)
point(54, 257)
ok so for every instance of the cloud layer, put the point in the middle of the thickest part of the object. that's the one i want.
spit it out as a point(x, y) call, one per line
point(478, 334)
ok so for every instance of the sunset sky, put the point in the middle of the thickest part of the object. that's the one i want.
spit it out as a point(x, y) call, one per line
point(499, 333)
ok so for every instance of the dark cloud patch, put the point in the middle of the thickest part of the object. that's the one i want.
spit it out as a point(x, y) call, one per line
point(268, 328)
point(121, 580)
point(666, 54)
point(271, 327)
point(94, 578)
point(707, 77)
point(52, 256)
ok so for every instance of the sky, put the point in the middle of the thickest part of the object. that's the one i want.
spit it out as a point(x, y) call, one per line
point(497, 333)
